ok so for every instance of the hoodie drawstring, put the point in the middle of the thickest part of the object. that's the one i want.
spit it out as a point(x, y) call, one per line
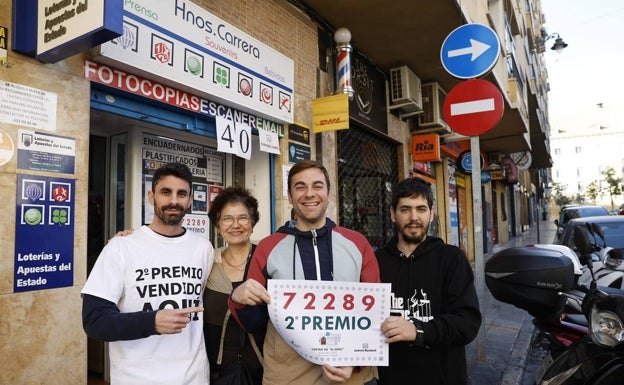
point(294, 258)
point(317, 261)
point(317, 253)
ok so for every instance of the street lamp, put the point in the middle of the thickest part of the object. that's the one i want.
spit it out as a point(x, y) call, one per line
point(559, 44)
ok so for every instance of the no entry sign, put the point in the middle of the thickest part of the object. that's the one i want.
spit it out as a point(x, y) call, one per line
point(473, 107)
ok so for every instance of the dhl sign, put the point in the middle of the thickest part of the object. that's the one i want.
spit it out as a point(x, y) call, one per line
point(330, 113)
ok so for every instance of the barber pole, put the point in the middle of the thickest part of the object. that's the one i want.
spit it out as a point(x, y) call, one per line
point(342, 36)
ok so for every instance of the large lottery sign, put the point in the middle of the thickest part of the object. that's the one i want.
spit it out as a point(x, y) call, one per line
point(335, 323)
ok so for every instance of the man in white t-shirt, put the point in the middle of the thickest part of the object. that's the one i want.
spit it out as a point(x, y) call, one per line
point(144, 294)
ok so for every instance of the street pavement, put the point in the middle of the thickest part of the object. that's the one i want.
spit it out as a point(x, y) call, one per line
point(510, 358)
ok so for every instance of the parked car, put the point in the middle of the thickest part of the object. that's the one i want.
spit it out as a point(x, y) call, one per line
point(573, 211)
point(563, 208)
point(611, 225)
point(621, 212)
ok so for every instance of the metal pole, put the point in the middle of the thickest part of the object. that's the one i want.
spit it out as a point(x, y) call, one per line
point(538, 202)
point(477, 214)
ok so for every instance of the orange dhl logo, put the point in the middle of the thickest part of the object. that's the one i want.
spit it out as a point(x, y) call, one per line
point(327, 122)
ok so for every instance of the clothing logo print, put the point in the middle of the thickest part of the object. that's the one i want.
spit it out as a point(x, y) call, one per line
point(417, 306)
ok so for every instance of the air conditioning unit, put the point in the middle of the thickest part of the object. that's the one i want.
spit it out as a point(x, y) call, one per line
point(431, 119)
point(405, 92)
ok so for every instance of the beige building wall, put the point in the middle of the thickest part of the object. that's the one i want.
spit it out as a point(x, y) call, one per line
point(41, 335)
point(41, 331)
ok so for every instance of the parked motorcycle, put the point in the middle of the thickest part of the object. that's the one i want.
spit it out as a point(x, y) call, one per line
point(608, 262)
point(531, 278)
point(599, 358)
point(542, 282)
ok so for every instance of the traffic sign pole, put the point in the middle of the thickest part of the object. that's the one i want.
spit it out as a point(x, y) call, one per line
point(468, 52)
point(477, 217)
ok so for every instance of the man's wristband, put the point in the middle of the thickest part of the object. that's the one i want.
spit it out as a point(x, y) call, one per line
point(420, 334)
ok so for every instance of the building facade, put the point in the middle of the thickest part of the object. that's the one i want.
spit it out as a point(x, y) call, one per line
point(229, 88)
point(581, 158)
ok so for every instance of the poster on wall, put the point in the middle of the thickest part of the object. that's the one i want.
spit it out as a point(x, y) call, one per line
point(44, 233)
point(215, 163)
point(45, 152)
point(148, 209)
point(462, 208)
point(297, 152)
point(200, 198)
point(214, 191)
point(453, 206)
point(26, 106)
point(4, 45)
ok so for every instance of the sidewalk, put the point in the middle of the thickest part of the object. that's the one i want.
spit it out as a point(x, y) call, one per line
point(508, 329)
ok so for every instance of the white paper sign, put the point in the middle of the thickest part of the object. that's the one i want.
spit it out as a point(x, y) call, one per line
point(199, 224)
point(27, 106)
point(335, 323)
point(243, 137)
point(269, 141)
point(233, 138)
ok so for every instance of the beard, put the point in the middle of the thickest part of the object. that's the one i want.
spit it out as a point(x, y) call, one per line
point(414, 238)
point(170, 219)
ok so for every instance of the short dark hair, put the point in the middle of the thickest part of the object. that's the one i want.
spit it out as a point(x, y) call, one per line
point(412, 188)
point(231, 195)
point(303, 165)
point(176, 169)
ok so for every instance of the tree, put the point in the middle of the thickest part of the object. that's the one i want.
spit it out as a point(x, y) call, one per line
point(579, 198)
point(592, 190)
point(614, 183)
point(559, 197)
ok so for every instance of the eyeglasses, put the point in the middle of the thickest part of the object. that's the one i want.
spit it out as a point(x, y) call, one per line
point(242, 220)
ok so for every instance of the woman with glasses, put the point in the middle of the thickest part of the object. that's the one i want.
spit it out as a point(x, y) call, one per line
point(234, 213)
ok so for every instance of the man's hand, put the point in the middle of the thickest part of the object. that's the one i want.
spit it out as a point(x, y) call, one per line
point(337, 374)
point(173, 321)
point(398, 329)
point(251, 292)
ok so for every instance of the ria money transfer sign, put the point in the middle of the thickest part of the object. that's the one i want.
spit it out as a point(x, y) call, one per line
point(335, 323)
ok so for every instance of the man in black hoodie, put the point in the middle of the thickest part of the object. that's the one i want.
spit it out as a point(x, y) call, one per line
point(434, 308)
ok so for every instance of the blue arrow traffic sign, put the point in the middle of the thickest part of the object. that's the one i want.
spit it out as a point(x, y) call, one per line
point(470, 51)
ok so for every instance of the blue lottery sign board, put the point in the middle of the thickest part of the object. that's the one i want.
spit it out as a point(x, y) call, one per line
point(470, 51)
point(44, 233)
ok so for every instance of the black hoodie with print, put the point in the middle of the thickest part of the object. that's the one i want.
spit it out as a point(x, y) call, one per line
point(434, 288)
